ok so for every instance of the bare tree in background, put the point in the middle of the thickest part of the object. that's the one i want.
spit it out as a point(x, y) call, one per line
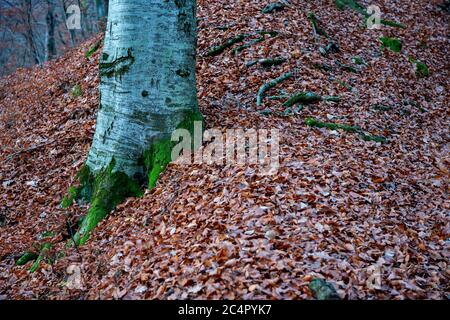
point(34, 31)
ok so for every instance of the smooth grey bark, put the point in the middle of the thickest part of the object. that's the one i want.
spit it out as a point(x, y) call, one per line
point(148, 83)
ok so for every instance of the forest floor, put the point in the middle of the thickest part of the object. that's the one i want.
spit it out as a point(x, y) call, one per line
point(371, 218)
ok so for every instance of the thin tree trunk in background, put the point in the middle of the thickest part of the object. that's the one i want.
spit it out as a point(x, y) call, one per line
point(51, 24)
point(29, 31)
point(101, 7)
point(71, 32)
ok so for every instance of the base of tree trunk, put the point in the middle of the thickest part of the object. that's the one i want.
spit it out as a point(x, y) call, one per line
point(108, 188)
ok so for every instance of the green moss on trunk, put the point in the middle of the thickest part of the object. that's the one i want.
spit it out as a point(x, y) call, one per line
point(109, 188)
point(159, 155)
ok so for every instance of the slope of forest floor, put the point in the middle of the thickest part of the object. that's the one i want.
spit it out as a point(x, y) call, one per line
point(371, 218)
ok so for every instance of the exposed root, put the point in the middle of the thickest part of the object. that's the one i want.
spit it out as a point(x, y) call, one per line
point(318, 31)
point(272, 7)
point(268, 62)
point(353, 129)
point(269, 85)
point(323, 290)
point(308, 98)
point(229, 43)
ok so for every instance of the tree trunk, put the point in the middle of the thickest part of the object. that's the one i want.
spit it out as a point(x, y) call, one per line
point(148, 89)
point(51, 26)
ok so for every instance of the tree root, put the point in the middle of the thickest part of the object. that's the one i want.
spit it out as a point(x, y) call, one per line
point(32, 256)
point(318, 31)
point(269, 85)
point(353, 129)
point(268, 62)
point(331, 47)
point(106, 189)
point(45, 248)
point(229, 43)
point(308, 98)
point(109, 189)
point(258, 40)
point(214, 51)
point(26, 257)
point(272, 7)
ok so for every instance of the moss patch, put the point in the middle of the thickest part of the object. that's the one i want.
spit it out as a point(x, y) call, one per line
point(26, 257)
point(422, 70)
point(393, 44)
point(159, 155)
point(76, 91)
point(109, 188)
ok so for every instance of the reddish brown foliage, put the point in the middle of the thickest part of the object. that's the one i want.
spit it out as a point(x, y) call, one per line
point(338, 207)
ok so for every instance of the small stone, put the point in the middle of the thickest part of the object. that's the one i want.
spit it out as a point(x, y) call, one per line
point(270, 234)
point(319, 227)
point(32, 183)
point(140, 289)
point(440, 89)
point(7, 183)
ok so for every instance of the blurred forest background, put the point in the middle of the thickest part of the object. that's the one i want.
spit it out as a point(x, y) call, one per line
point(35, 31)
